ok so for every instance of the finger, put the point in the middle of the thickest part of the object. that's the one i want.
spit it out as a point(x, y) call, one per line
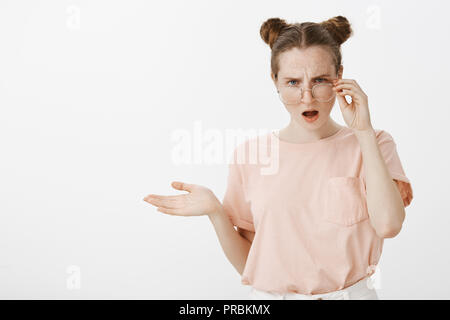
point(346, 92)
point(409, 198)
point(344, 86)
point(342, 101)
point(169, 211)
point(348, 81)
point(349, 86)
point(182, 186)
point(345, 81)
point(354, 94)
point(169, 204)
point(168, 198)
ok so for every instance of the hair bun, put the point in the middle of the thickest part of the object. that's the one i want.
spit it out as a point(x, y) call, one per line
point(339, 28)
point(271, 29)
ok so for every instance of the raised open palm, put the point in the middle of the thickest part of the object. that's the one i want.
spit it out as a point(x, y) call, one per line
point(198, 201)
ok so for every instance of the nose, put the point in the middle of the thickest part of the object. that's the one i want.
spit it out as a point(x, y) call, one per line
point(306, 95)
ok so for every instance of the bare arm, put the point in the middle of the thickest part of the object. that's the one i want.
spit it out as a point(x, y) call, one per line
point(235, 245)
point(384, 200)
point(249, 235)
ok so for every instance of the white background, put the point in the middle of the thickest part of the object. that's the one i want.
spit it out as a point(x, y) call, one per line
point(91, 92)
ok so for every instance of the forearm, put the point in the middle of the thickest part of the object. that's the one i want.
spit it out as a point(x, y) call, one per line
point(235, 246)
point(384, 201)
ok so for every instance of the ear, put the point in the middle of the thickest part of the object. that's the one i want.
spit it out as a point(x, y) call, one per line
point(340, 72)
point(274, 80)
point(273, 77)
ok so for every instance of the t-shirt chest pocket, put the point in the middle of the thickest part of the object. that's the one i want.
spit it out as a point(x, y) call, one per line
point(345, 202)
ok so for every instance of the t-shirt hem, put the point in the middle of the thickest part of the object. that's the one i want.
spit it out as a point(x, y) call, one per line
point(246, 282)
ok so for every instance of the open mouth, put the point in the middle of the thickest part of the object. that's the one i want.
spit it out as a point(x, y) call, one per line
point(310, 114)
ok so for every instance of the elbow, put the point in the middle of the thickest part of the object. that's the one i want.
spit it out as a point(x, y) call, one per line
point(391, 228)
point(389, 231)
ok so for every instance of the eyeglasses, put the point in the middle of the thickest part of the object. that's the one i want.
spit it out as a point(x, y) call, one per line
point(322, 92)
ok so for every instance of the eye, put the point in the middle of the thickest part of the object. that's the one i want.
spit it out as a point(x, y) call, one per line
point(322, 79)
point(291, 81)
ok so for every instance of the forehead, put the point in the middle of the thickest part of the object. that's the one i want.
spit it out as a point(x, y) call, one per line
point(307, 62)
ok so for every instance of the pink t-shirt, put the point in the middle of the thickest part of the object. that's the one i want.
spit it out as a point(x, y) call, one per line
point(307, 205)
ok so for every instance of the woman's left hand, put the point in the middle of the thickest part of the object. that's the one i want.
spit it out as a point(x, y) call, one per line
point(356, 113)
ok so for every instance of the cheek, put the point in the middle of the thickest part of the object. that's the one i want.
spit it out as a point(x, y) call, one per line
point(291, 109)
point(326, 108)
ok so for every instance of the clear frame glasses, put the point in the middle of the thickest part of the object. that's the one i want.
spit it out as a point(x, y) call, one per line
point(322, 92)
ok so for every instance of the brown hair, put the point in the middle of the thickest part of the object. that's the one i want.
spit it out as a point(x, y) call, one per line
point(282, 36)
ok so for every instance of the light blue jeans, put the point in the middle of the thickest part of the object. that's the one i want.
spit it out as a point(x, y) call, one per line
point(361, 290)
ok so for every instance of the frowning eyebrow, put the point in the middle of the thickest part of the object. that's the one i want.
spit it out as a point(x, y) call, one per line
point(321, 76)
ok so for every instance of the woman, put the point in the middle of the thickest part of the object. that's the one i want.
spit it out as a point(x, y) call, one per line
point(314, 228)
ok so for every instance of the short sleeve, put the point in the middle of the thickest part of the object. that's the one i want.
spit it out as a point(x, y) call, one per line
point(235, 204)
point(389, 152)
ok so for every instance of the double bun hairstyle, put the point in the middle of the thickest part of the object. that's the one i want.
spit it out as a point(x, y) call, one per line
point(282, 36)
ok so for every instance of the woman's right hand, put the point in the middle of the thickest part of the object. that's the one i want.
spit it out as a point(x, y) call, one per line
point(197, 202)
